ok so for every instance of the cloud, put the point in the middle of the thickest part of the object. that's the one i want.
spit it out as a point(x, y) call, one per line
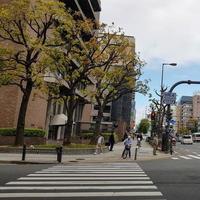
point(168, 30)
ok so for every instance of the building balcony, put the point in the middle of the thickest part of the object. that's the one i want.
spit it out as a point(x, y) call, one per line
point(87, 8)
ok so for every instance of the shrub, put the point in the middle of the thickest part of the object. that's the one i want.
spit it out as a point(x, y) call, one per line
point(87, 135)
point(29, 132)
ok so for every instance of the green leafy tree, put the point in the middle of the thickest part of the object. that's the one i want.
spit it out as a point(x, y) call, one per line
point(192, 125)
point(26, 32)
point(117, 70)
point(183, 131)
point(70, 63)
point(144, 126)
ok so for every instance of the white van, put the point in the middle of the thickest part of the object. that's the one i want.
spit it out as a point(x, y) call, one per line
point(196, 137)
point(187, 139)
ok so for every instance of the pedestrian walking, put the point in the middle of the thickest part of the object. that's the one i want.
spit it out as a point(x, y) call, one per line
point(127, 146)
point(99, 146)
point(155, 144)
point(111, 141)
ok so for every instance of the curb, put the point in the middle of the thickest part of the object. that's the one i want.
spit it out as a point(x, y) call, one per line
point(24, 162)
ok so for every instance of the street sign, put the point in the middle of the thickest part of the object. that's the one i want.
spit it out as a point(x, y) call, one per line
point(169, 98)
point(172, 122)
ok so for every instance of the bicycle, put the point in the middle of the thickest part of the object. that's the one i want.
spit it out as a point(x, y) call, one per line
point(126, 152)
point(138, 142)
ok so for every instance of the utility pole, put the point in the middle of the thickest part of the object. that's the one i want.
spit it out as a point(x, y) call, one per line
point(168, 116)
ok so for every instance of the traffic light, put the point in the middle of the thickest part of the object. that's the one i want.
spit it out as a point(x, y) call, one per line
point(169, 116)
point(153, 115)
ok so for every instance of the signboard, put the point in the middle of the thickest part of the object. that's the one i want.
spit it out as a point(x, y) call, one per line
point(172, 122)
point(169, 98)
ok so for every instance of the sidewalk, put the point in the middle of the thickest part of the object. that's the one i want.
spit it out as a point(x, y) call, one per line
point(145, 152)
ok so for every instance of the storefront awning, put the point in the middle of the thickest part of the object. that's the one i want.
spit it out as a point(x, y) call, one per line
point(59, 120)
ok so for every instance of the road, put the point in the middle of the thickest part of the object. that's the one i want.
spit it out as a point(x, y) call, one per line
point(179, 176)
point(183, 151)
point(170, 179)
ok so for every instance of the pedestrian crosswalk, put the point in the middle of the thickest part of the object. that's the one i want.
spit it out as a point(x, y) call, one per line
point(86, 180)
point(186, 157)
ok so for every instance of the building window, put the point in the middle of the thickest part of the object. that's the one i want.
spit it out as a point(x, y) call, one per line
point(106, 109)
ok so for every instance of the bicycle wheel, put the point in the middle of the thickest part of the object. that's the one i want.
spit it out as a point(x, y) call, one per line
point(125, 154)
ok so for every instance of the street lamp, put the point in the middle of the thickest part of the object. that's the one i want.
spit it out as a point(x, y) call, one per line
point(161, 103)
point(172, 64)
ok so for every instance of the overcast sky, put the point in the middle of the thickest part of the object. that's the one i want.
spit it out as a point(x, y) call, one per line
point(165, 31)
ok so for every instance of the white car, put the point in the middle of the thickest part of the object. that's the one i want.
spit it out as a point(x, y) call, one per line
point(187, 139)
point(196, 137)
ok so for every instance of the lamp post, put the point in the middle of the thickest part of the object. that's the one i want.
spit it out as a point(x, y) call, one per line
point(161, 85)
point(161, 105)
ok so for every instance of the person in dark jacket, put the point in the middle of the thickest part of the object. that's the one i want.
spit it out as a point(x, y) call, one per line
point(111, 141)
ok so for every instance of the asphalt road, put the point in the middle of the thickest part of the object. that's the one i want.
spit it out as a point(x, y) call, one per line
point(185, 149)
point(171, 179)
point(178, 177)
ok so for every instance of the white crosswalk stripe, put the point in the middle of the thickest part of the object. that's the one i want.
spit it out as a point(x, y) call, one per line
point(89, 180)
point(186, 157)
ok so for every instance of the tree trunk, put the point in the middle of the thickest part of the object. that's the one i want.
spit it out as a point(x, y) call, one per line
point(70, 113)
point(97, 130)
point(19, 140)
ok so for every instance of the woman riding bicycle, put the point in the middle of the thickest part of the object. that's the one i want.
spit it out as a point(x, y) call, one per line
point(139, 139)
point(127, 146)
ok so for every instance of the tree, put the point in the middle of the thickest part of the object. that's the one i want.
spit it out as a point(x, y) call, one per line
point(183, 131)
point(192, 125)
point(70, 64)
point(26, 31)
point(117, 70)
point(144, 126)
point(84, 61)
point(160, 109)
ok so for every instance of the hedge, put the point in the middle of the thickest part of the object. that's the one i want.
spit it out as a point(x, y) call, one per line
point(29, 132)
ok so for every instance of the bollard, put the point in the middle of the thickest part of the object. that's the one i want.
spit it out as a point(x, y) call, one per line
point(59, 154)
point(135, 158)
point(171, 148)
point(24, 152)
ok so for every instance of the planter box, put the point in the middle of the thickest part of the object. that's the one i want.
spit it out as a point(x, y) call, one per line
point(9, 140)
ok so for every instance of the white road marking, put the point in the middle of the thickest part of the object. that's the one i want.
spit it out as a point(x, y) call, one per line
point(174, 158)
point(89, 175)
point(185, 157)
point(194, 156)
point(84, 178)
point(102, 170)
point(93, 168)
point(103, 182)
point(76, 183)
point(79, 187)
point(93, 172)
point(80, 194)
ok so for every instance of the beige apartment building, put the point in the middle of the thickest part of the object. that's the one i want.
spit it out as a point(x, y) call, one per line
point(188, 108)
point(196, 106)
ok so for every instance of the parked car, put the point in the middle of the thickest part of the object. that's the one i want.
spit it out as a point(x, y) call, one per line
point(196, 137)
point(187, 139)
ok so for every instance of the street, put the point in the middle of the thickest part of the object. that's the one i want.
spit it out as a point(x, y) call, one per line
point(161, 179)
point(100, 180)
point(186, 151)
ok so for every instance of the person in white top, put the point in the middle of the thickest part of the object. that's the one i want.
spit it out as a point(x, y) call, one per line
point(100, 142)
